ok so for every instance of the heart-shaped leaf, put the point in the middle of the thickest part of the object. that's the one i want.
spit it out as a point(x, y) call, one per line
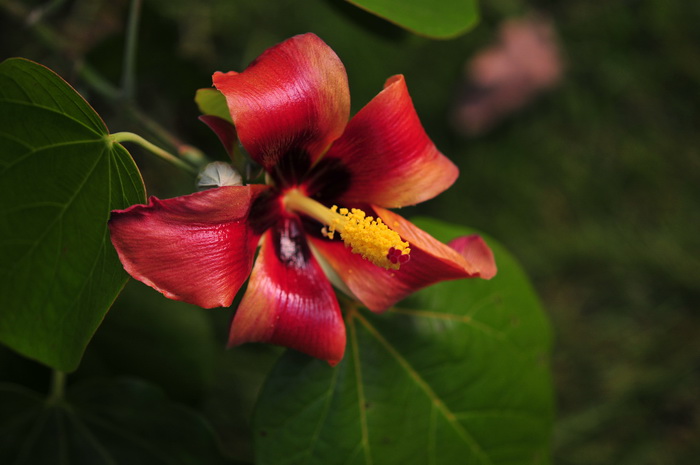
point(439, 19)
point(124, 422)
point(60, 176)
point(457, 373)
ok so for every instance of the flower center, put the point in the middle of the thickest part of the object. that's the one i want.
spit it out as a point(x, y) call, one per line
point(366, 236)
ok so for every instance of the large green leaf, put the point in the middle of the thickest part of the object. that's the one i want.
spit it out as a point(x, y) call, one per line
point(125, 422)
point(440, 19)
point(458, 373)
point(60, 175)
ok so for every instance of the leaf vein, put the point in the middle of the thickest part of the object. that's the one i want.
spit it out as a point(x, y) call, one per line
point(466, 319)
point(55, 111)
point(360, 390)
point(67, 91)
point(38, 150)
point(31, 437)
point(425, 387)
point(324, 414)
point(142, 442)
point(59, 216)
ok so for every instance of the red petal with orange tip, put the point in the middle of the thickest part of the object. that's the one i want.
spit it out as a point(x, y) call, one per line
point(431, 262)
point(198, 248)
point(391, 160)
point(475, 251)
point(289, 300)
point(293, 100)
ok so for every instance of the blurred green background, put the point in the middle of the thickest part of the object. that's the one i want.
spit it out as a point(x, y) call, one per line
point(595, 187)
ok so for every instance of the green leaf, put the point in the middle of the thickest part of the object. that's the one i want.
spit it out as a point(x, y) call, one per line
point(439, 19)
point(457, 373)
point(60, 176)
point(102, 422)
point(212, 102)
point(159, 340)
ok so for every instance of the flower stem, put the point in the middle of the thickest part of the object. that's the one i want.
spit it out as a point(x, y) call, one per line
point(58, 387)
point(58, 43)
point(129, 66)
point(167, 156)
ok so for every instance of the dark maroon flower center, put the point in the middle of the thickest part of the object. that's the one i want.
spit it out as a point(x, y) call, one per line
point(325, 181)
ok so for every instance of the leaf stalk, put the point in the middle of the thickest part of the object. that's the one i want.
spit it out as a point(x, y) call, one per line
point(120, 137)
point(58, 387)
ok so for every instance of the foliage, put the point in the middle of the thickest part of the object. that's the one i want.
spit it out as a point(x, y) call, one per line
point(456, 373)
point(102, 421)
point(437, 18)
point(448, 353)
point(594, 189)
point(61, 176)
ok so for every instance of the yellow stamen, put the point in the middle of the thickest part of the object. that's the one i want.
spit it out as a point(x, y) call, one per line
point(371, 238)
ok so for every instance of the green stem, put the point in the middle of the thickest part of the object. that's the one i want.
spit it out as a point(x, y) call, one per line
point(188, 152)
point(41, 12)
point(97, 82)
point(129, 66)
point(167, 156)
point(58, 386)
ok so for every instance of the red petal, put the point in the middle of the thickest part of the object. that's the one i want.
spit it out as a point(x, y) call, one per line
point(289, 301)
point(294, 98)
point(223, 129)
point(475, 251)
point(391, 160)
point(198, 248)
point(431, 262)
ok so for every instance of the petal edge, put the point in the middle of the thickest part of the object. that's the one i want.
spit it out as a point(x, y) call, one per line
point(293, 98)
point(474, 249)
point(289, 301)
point(378, 289)
point(392, 161)
point(197, 248)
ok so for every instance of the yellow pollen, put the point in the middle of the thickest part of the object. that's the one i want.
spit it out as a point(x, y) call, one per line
point(366, 236)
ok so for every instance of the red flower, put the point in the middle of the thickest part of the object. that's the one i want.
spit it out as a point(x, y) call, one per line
point(290, 108)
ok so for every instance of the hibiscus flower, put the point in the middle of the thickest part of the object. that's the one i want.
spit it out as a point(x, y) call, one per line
point(322, 214)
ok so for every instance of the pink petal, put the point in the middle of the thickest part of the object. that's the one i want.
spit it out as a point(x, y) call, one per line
point(431, 262)
point(198, 248)
point(289, 301)
point(475, 251)
point(223, 129)
point(391, 160)
point(292, 101)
